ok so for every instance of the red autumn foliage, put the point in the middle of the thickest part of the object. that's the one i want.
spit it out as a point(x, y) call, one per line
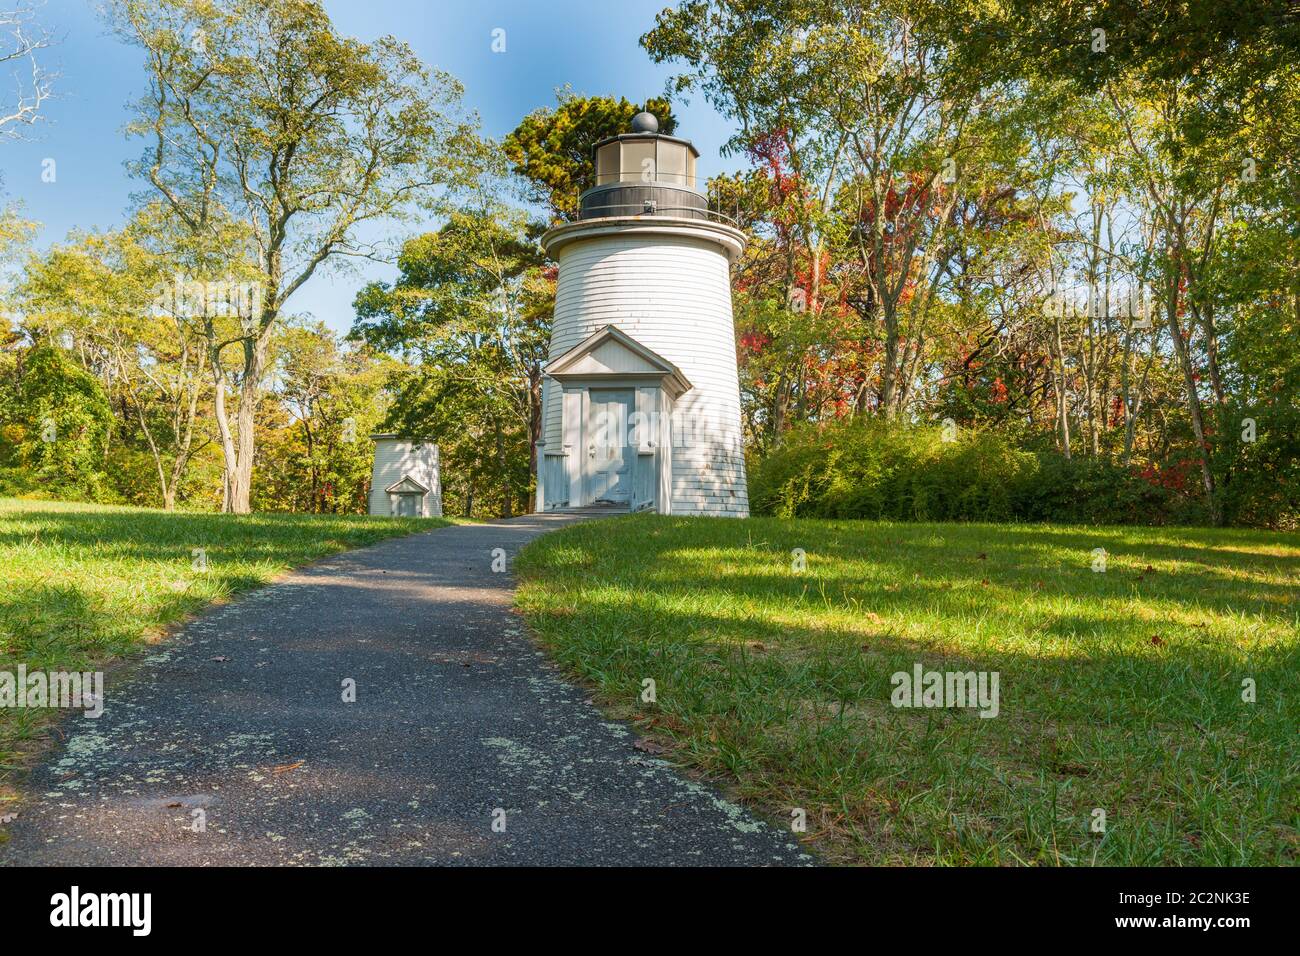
point(1173, 475)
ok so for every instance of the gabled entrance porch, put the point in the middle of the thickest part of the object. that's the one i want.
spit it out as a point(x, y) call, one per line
point(616, 409)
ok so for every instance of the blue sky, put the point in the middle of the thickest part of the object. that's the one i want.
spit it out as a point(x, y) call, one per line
point(590, 45)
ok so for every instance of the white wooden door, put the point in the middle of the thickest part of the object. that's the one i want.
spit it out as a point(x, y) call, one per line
point(609, 459)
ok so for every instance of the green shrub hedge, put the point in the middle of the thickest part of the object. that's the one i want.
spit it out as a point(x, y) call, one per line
point(890, 471)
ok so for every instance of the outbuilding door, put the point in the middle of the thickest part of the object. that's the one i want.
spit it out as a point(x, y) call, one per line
point(609, 459)
point(408, 506)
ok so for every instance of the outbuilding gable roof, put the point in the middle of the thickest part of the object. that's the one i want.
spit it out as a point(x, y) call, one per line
point(407, 485)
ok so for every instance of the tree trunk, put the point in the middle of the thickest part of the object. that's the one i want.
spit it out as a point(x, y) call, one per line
point(508, 508)
point(778, 408)
point(1193, 398)
point(311, 467)
point(222, 417)
point(889, 373)
point(1126, 394)
point(1062, 407)
point(240, 472)
point(187, 413)
point(241, 476)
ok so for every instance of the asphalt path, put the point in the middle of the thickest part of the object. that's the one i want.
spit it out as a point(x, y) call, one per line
point(233, 743)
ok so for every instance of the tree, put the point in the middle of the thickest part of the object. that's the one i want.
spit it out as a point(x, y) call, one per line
point(869, 129)
point(20, 54)
point(551, 148)
point(56, 425)
point(271, 140)
point(1193, 87)
point(315, 453)
point(15, 238)
point(774, 67)
point(472, 307)
point(109, 293)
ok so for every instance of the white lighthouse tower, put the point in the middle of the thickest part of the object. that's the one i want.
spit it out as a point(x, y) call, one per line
point(641, 401)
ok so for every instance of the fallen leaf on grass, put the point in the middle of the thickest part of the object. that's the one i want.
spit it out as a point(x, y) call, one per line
point(662, 720)
point(1157, 640)
point(1072, 769)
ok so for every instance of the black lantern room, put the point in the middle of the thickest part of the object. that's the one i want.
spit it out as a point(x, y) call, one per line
point(644, 173)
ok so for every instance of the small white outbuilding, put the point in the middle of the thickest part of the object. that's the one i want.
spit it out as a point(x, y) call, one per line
point(406, 480)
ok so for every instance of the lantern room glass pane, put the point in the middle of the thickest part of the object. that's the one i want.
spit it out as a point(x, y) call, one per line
point(607, 164)
point(672, 163)
point(638, 161)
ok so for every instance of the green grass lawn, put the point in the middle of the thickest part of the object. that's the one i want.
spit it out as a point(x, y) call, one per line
point(84, 585)
point(1119, 690)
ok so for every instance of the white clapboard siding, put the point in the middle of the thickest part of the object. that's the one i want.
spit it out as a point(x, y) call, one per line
point(398, 458)
point(671, 291)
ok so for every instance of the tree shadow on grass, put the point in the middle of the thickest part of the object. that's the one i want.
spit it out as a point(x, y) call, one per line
point(783, 679)
point(903, 569)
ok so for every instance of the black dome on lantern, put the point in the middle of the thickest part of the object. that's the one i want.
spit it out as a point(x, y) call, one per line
point(645, 123)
